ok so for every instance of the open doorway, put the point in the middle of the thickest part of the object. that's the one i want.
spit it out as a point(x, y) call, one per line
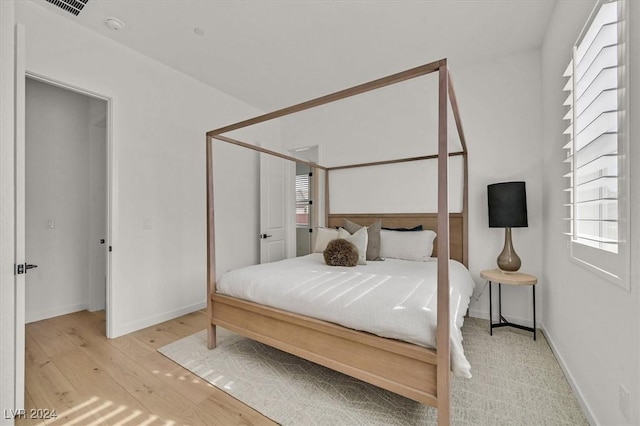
point(66, 200)
point(306, 192)
point(304, 201)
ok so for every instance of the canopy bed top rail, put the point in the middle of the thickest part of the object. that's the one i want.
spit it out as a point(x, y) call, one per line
point(456, 112)
point(342, 94)
point(399, 160)
point(318, 166)
point(267, 151)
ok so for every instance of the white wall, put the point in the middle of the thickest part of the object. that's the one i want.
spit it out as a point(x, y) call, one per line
point(159, 119)
point(393, 122)
point(500, 107)
point(592, 324)
point(59, 199)
point(237, 201)
point(7, 219)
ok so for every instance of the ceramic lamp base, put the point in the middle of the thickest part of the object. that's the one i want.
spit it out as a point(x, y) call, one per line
point(508, 261)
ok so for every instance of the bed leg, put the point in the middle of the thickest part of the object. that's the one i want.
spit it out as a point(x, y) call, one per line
point(444, 397)
point(444, 411)
point(211, 337)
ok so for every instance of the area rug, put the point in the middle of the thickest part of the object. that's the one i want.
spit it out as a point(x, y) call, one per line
point(516, 382)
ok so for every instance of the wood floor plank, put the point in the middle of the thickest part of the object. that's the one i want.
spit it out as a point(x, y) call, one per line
point(126, 381)
point(50, 390)
point(88, 378)
point(169, 331)
point(141, 384)
point(49, 338)
point(30, 407)
point(96, 320)
point(224, 407)
point(185, 382)
point(156, 336)
point(180, 329)
point(192, 322)
point(132, 346)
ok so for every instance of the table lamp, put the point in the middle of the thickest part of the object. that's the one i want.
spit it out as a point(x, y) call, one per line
point(507, 209)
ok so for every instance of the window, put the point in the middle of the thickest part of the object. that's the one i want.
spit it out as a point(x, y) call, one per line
point(596, 149)
point(303, 201)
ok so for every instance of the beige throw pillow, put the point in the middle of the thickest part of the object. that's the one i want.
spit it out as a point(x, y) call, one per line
point(323, 236)
point(358, 239)
point(373, 242)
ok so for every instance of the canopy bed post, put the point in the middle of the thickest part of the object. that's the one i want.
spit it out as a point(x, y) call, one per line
point(442, 337)
point(465, 190)
point(326, 197)
point(315, 199)
point(211, 244)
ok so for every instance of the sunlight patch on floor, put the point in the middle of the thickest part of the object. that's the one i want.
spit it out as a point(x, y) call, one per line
point(96, 411)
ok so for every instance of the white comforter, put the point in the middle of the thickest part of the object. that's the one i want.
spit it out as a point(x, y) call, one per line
point(393, 298)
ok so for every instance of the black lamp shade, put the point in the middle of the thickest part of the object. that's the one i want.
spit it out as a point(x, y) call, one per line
point(507, 205)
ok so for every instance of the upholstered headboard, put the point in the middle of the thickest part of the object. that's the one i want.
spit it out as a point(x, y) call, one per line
point(457, 238)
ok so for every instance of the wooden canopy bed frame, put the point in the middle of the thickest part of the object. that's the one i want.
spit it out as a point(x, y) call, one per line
point(416, 372)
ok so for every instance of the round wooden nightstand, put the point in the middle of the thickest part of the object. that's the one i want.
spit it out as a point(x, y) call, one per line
point(519, 278)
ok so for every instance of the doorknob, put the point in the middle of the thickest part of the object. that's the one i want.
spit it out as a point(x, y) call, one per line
point(265, 236)
point(23, 267)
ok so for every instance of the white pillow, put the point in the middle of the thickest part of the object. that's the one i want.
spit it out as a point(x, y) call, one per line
point(413, 245)
point(323, 236)
point(360, 238)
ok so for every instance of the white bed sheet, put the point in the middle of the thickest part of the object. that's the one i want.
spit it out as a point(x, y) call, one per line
point(393, 298)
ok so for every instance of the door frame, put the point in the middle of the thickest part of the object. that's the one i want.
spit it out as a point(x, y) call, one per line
point(109, 180)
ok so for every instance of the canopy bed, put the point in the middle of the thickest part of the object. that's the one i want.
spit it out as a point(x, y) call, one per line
point(412, 370)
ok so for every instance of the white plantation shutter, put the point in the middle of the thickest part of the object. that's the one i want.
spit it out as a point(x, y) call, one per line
point(596, 144)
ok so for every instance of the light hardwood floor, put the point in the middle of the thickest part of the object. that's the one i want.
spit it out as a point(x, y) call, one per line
point(72, 368)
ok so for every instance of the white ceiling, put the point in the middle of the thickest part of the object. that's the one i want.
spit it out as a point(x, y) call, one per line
point(275, 53)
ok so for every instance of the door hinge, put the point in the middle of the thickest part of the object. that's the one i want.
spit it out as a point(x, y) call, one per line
point(310, 174)
point(310, 230)
point(19, 269)
point(110, 248)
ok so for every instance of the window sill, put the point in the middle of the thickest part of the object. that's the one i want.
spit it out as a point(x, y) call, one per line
point(618, 281)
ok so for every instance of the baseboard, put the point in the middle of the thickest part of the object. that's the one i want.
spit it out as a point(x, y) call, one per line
point(567, 373)
point(156, 319)
point(54, 312)
point(94, 308)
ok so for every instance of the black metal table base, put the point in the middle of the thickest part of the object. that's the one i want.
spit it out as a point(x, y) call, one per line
point(502, 321)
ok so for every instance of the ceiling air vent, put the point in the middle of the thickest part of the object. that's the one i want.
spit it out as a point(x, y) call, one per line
point(71, 6)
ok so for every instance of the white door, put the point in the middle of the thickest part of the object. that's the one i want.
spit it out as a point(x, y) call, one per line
point(21, 263)
point(276, 208)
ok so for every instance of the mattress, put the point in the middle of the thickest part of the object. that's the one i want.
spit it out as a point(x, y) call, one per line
point(394, 298)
